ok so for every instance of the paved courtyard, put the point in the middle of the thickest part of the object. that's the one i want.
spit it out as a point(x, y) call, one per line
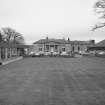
point(53, 81)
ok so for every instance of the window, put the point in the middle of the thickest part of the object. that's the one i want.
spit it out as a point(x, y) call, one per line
point(40, 49)
point(56, 47)
point(63, 49)
point(78, 48)
point(47, 47)
point(73, 48)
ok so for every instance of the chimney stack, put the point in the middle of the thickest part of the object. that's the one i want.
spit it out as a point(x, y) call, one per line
point(68, 39)
point(47, 38)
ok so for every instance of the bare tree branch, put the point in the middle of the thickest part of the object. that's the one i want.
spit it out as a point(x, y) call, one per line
point(99, 8)
point(100, 25)
point(12, 36)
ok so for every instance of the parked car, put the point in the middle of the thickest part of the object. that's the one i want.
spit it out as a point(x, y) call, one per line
point(101, 53)
point(31, 53)
point(84, 53)
point(56, 54)
point(64, 54)
point(47, 53)
point(36, 54)
point(41, 53)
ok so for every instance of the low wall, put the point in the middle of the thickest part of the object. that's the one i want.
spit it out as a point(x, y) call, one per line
point(10, 60)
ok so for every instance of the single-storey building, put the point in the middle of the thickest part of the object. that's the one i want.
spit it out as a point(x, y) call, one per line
point(12, 50)
point(60, 45)
point(98, 47)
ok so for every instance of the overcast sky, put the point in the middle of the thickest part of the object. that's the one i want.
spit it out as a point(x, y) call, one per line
point(36, 19)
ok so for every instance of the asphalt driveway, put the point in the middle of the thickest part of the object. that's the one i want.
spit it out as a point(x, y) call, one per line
point(53, 81)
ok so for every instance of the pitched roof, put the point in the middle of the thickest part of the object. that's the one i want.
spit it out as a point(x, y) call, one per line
point(61, 41)
point(101, 43)
point(42, 41)
point(99, 46)
point(81, 42)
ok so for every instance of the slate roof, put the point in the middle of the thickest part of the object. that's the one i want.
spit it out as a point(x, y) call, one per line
point(42, 41)
point(81, 42)
point(99, 46)
point(101, 43)
point(61, 41)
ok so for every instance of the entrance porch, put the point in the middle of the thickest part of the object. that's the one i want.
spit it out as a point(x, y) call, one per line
point(51, 48)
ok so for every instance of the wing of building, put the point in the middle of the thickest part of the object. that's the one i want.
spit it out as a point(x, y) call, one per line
point(9, 50)
point(60, 45)
point(100, 46)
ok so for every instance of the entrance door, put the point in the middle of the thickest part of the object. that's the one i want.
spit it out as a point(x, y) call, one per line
point(51, 48)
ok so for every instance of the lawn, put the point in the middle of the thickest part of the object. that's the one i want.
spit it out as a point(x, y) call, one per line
point(53, 81)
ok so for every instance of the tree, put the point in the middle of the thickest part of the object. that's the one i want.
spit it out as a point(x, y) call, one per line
point(10, 35)
point(1, 37)
point(18, 38)
point(100, 10)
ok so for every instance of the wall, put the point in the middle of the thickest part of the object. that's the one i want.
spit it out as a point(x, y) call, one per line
point(68, 47)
